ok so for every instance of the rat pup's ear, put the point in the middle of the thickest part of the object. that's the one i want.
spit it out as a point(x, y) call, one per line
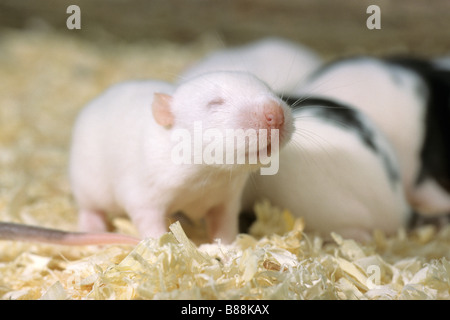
point(161, 109)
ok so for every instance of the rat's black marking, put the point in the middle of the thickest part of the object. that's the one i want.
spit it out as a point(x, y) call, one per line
point(435, 153)
point(348, 118)
point(339, 113)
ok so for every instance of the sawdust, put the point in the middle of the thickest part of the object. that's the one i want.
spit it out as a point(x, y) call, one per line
point(45, 79)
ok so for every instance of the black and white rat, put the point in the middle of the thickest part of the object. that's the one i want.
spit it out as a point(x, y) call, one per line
point(409, 100)
point(338, 172)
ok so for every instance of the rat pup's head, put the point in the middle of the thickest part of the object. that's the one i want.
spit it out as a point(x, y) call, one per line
point(235, 114)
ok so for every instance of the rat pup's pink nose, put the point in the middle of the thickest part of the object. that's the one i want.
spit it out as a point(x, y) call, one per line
point(274, 115)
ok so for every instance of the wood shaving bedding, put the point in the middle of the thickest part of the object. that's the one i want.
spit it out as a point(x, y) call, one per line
point(45, 80)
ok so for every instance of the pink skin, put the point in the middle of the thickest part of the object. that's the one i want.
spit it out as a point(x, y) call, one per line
point(21, 232)
point(274, 115)
point(274, 118)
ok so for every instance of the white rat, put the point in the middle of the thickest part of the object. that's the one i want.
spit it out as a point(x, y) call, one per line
point(409, 100)
point(124, 155)
point(280, 63)
point(125, 137)
point(338, 172)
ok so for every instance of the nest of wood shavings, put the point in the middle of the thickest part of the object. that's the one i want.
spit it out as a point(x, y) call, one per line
point(46, 79)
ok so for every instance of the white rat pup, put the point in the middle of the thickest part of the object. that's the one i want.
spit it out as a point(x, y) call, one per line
point(124, 143)
point(280, 63)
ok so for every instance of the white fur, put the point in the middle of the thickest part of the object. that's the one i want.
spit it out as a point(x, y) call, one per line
point(120, 158)
point(335, 182)
point(282, 64)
